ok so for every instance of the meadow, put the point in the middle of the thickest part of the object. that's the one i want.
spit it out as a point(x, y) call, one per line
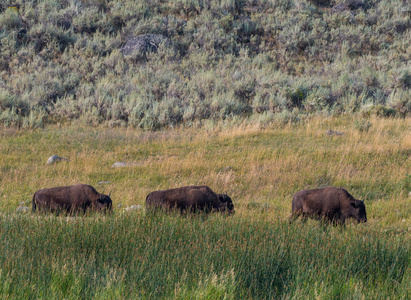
point(255, 254)
point(237, 95)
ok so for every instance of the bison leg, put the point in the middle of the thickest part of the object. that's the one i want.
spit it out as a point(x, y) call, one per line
point(33, 204)
point(339, 221)
point(295, 215)
point(336, 218)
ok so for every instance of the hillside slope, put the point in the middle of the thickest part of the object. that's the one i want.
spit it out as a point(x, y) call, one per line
point(157, 63)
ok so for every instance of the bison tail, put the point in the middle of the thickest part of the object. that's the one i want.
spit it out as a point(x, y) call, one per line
point(33, 203)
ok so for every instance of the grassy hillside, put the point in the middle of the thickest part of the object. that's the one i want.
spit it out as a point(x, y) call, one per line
point(254, 254)
point(60, 61)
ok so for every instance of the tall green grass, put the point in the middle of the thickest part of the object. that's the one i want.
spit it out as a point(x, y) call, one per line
point(215, 257)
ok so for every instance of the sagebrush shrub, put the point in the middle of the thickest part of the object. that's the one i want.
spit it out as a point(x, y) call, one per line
point(219, 59)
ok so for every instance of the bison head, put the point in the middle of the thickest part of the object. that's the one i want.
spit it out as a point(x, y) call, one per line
point(227, 202)
point(358, 210)
point(104, 202)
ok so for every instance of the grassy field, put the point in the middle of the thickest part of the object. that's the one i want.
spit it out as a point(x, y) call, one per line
point(253, 254)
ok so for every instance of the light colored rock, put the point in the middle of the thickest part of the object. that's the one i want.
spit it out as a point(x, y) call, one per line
point(226, 169)
point(334, 132)
point(134, 207)
point(409, 194)
point(144, 43)
point(23, 208)
point(121, 164)
point(104, 182)
point(55, 158)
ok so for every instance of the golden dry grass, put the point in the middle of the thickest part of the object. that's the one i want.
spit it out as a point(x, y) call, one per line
point(257, 166)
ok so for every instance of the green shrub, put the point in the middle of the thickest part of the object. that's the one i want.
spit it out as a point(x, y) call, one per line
point(233, 6)
point(383, 111)
point(321, 2)
point(10, 20)
point(243, 57)
point(296, 96)
point(318, 99)
point(12, 109)
point(404, 79)
point(362, 125)
point(400, 100)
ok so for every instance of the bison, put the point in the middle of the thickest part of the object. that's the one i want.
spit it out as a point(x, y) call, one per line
point(330, 203)
point(74, 198)
point(190, 198)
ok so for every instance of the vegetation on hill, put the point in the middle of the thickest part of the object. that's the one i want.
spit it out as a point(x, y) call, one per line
point(65, 61)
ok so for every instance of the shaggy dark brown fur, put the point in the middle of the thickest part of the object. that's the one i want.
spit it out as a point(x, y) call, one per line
point(332, 204)
point(73, 198)
point(190, 198)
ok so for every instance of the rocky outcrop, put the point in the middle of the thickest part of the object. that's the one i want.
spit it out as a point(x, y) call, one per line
point(144, 43)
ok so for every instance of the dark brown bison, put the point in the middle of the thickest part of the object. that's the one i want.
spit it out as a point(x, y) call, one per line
point(190, 198)
point(74, 198)
point(330, 203)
